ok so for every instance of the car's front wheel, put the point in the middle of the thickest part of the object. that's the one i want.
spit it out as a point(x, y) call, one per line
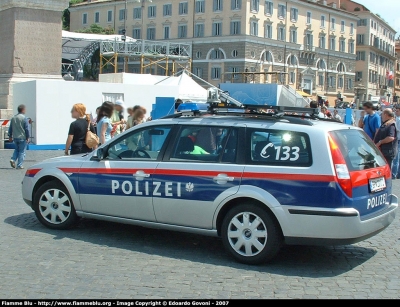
point(251, 234)
point(53, 206)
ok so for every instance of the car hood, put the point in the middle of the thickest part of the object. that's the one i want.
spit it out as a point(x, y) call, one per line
point(74, 160)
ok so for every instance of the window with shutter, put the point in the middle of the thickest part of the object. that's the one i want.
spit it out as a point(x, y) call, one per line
point(268, 7)
point(167, 9)
point(183, 8)
point(137, 13)
point(217, 5)
point(109, 16)
point(182, 31)
point(236, 4)
point(199, 30)
point(235, 28)
point(200, 6)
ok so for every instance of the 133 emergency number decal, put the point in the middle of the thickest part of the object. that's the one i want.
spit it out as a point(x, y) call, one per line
point(282, 153)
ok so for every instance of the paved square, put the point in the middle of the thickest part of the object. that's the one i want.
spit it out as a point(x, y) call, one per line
point(107, 260)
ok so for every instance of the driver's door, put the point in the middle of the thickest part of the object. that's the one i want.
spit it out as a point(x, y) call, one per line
point(121, 184)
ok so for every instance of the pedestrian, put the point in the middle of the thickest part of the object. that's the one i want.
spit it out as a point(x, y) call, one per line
point(77, 131)
point(326, 112)
point(138, 117)
point(18, 132)
point(94, 120)
point(177, 103)
point(314, 105)
point(336, 115)
point(371, 121)
point(144, 115)
point(129, 120)
point(117, 117)
point(104, 126)
point(386, 136)
point(396, 160)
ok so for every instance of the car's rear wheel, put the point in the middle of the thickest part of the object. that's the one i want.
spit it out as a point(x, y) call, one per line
point(53, 206)
point(251, 234)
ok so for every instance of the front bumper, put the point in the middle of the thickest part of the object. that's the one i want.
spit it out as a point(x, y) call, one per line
point(27, 189)
point(313, 226)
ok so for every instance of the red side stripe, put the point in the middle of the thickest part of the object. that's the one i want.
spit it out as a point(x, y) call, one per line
point(172, 172)
point(299, 177)
point(32, 172)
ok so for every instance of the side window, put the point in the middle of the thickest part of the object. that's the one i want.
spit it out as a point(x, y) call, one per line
point(205, 144)
point(230, 149)
point(284, 148)
point(144, 144)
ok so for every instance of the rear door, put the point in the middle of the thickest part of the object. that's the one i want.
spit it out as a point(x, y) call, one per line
point(199, 171)
point(370, 175)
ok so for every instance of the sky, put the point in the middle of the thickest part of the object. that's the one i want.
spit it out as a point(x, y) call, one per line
point(387, 9)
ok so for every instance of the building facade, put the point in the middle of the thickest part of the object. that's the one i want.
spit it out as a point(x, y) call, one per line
point(375, 53)
point(311, 44)
point(396, 95)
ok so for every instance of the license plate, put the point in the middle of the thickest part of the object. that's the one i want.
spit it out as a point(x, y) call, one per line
point(377, 184)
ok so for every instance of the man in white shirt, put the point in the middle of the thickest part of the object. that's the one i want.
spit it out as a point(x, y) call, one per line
point(336, 115)
point(395, 164)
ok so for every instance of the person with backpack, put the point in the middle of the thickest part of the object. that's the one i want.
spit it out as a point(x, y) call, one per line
point(371, 121)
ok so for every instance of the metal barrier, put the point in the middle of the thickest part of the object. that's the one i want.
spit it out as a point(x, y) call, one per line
point(4, 126)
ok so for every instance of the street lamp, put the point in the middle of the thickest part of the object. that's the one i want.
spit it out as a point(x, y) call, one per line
point(123, 38)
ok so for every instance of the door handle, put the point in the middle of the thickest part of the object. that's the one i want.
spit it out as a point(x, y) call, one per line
point(223, 178)
point(140, 175)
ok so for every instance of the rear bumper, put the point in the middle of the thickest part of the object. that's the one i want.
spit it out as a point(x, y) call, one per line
point(313, 226)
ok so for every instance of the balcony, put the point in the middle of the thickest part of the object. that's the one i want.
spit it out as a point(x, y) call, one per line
point(307, 48)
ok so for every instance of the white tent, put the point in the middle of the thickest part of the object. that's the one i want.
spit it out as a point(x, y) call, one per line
point(188, 88)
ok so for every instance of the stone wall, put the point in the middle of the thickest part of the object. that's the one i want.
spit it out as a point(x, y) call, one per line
point(30, 44)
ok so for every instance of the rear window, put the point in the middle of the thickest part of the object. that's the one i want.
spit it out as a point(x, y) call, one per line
point(358, 150)
point(278, 147)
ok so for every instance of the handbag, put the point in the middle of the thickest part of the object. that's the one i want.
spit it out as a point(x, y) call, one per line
point(91, 140)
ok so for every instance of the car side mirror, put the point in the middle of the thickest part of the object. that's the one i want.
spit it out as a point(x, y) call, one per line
point(98, 155)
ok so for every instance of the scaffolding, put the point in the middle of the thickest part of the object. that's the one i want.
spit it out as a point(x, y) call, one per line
point(169, 56)
point(251, 77)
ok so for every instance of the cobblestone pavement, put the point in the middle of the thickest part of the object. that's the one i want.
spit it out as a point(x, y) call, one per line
point(106, 260)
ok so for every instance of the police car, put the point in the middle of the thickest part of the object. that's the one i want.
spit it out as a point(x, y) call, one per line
point(258, 178)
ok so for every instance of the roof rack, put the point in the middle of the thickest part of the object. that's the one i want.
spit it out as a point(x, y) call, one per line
point(221, 103)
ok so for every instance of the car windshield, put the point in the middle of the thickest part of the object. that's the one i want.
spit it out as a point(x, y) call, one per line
point(358, 149)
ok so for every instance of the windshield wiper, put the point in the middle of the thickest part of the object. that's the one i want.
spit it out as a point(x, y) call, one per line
point(368, 162)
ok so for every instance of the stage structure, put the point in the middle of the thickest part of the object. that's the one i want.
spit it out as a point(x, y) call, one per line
point(78, 49)
point(169, 57)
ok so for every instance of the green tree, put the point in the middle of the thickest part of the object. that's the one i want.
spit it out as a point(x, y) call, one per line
point(96, 29)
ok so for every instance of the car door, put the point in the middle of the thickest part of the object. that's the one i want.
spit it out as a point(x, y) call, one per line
point(121, 183)
point(198, 172)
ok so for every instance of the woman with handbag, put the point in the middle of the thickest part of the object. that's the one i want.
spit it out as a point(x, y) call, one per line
point(78, 130)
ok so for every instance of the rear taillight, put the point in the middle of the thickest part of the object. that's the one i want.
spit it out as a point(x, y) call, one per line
point(388, 172)
point(342, 172)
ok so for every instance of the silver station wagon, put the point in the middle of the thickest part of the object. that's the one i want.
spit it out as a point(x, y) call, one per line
point(256, 179)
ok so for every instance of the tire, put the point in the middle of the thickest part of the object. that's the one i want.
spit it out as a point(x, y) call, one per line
point(238, 234)
point(53, 206)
